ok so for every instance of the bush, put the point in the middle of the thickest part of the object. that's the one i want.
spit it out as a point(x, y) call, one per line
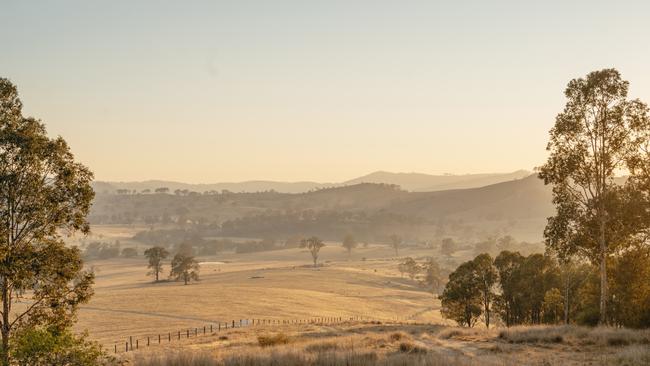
point(321, 347)
point(408, 347)
point(45, 347)
point(272, 340)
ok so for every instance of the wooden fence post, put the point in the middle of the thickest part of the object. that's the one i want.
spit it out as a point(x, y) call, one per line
point(131, 342)
point(147, 341)
point(126, 348)
point(115, 347)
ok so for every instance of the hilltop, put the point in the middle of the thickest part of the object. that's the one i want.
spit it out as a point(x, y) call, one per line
point(415, 182)
point(518, 206)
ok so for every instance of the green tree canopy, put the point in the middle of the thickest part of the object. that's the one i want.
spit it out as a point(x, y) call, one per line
point(599, 134)
point(44, 194)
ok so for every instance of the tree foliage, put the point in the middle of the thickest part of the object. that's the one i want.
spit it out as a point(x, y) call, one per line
point(599, 134)
point(44, 194)
point(461, 299)
point(185, 267)
point(349, 243)
point(396, 243)
point(313, 244)
point(155, 256)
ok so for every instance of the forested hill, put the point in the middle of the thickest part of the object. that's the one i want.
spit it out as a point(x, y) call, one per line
point(370, 210)
point(413, 182)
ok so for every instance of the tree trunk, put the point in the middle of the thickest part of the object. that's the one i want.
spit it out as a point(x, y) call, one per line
point(157, 272)
point(603, 275)
point(5, 322)
point(315, 259)
point(566, 299)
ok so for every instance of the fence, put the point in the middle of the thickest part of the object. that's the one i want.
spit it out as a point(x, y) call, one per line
point(133, 344)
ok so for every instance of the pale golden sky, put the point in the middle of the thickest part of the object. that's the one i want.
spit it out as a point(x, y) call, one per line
point(298, 90)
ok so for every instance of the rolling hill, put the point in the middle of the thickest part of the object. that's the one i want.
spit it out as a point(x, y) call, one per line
point(415, 182)
point(518, 206)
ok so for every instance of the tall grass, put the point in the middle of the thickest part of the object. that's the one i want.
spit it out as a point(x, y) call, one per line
point(600, 336)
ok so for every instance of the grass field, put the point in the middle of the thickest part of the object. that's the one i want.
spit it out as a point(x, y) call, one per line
point(401, 322)
point(271, 285)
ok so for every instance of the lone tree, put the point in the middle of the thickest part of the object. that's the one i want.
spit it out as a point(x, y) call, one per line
point(396, 243)
point(155, 255)
point(349, 243)
point(599, 133)
point(313, 244)
point(184, 267)
point(43, 194)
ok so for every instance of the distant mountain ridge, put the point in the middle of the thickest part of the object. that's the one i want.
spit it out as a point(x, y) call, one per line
point(414, 182)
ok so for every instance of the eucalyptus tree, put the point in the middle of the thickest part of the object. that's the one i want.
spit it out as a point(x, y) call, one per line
point(155, 256)
point(598, 135)
point(44, 195)
point(313, 244)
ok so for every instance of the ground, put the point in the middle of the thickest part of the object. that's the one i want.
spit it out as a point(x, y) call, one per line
point(280, 285)
point(370, 310)
point(393, 343)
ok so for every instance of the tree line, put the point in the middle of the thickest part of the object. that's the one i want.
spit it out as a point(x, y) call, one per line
point(602, 221)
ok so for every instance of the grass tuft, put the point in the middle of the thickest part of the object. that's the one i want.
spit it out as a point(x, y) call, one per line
point(273, 340)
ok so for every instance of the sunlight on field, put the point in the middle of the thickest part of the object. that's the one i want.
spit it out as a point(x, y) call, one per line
point(269, 285)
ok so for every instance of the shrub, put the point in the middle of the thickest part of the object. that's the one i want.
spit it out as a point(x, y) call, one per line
point(44, 347)
point(322, 347)
point(272, 340)
point(408, 347)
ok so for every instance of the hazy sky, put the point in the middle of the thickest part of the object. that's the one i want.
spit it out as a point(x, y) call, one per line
point(311, 90)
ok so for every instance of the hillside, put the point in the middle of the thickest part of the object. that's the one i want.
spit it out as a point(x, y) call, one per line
point(370, 211)
point(415, 182)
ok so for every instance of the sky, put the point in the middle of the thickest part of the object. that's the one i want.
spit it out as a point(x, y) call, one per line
point(214, 91)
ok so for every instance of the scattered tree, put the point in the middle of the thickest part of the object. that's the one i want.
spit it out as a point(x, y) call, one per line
point(396, 243)
point(432, 275)
point(184, 267)
point(410, 267)
point(313, 244)
point(349, 243)
point(155, 256)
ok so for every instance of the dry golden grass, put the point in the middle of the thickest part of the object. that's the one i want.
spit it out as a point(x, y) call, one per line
point(280, 285)
point(600, 336)
point(276, 285)
point(386, 344)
